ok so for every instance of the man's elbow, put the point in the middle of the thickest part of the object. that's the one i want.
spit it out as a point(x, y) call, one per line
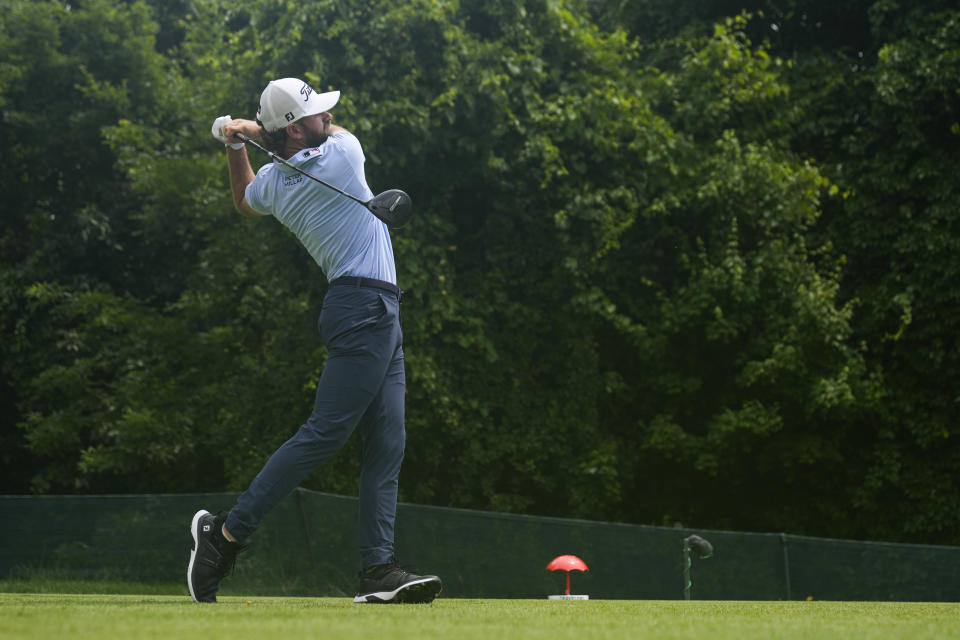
point(245, 209)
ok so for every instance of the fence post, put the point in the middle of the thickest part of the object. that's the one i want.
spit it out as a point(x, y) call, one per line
point(786, 565)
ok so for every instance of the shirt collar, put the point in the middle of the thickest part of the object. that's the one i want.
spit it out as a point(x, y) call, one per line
point(300, 158)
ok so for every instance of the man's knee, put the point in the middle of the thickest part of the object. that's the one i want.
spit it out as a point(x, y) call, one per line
point(321, 431)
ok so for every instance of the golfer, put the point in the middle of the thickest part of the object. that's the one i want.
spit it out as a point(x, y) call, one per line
point(362, 385)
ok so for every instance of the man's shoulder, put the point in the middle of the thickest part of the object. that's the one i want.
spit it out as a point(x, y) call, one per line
point(346, 142)
point(266, 170)
point(344, 137)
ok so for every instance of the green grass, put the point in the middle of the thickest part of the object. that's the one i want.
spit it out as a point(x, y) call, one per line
point(79, 617)
point(55, 585)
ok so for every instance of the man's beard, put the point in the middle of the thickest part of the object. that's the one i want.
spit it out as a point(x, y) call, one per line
point(314, 140)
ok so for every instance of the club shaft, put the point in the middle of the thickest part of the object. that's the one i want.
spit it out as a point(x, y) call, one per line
point(274, 156)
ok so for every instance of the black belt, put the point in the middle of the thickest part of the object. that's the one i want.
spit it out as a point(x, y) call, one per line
point(353, 281)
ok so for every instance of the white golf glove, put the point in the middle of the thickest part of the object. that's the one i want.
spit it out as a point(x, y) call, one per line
point(217, 131)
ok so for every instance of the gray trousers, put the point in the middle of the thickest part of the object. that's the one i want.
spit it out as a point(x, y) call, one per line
point(362, 387)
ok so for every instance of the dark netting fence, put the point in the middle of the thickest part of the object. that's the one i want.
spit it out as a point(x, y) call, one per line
point(306, 546)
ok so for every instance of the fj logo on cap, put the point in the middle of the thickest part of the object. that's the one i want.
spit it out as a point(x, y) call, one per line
point(305, 91)
point(289, 116)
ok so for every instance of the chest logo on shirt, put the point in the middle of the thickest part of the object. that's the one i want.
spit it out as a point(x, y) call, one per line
point(292, 181)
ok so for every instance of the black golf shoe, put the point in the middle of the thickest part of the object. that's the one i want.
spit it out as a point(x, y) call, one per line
point(389, 583)
point(211, 558)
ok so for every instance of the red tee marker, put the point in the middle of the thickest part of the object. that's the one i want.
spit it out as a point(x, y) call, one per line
point(567, 564)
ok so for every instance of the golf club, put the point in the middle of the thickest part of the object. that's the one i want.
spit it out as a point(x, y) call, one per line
point(393, 206)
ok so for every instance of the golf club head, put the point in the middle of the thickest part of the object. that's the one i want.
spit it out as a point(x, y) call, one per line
point(701, 548)
point(393, 207)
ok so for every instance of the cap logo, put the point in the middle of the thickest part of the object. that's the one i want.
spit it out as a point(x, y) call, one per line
point(305, 91)
point(289, 116)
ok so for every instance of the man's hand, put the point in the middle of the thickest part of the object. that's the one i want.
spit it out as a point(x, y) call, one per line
point(249, 128)
point(219, 132)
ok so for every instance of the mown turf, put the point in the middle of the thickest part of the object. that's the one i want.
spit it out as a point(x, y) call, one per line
point(126, 616)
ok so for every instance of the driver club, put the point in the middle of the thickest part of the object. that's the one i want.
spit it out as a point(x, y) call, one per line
point(393, 206)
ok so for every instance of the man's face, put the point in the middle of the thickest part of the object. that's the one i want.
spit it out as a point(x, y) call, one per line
point(316, 129)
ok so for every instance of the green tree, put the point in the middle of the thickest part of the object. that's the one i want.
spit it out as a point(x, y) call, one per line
point(873, 84)
point(900, 225)
point(639, 276)
point(67, 72)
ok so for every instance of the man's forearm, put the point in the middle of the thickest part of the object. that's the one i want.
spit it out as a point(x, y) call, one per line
point(241, 174)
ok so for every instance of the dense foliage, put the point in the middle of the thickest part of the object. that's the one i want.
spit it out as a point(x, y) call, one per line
point(683, 261)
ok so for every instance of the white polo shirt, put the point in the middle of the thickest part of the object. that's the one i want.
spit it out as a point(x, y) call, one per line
point(343, 237)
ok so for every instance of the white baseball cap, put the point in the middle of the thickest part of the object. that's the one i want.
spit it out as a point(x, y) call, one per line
point(289, 99)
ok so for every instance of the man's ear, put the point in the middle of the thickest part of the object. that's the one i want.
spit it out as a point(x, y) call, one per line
point(294, 131)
